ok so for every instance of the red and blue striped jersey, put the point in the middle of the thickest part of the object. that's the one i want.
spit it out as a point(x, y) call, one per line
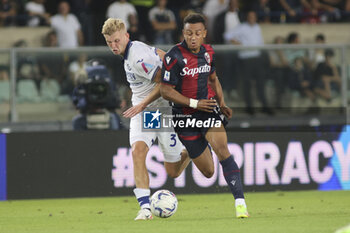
point(189, 72)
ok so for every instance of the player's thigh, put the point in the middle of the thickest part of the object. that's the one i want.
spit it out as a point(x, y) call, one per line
point(205, 163)
point(139, 150)
point(171, 146)
point(217, 138)
point(137, 134)
point(140, 141)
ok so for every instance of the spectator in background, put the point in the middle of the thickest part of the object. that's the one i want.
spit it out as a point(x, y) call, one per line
point(192, 6)
point(37, 13)
point(67, 27)
point(123, 10)
point(300, 79)
point(317, 55)
point(77, 68)
point(83, 9)
point(54, 65)
point(226, 21)
point(163, 23)
point(212, 8)
point(50, 39)
point(292, 54)
point(142, 8)
point(4, 86)
point(278, 71)
point(326, 77)
point(8, 12)
point(293, 10)
point(249, 34)
point(342, 5)
point(263, 10)
point(319, 12)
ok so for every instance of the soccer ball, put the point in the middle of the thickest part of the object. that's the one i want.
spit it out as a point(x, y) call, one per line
point(163, 203)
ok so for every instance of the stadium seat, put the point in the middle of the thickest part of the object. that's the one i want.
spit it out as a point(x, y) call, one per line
point(27, 91)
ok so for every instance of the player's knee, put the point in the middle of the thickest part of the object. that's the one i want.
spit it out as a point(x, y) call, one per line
point(173, 174)
point(208, 173)
point(222, 151)
point(138, 153)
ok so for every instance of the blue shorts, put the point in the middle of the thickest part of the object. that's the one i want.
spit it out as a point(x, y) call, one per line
point(192, 136)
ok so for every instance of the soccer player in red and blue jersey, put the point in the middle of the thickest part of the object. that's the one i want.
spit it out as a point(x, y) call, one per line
point(188, 73)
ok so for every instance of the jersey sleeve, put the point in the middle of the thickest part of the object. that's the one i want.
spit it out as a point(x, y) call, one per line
point(170, 70)
point(213, 67)
point(147, 63)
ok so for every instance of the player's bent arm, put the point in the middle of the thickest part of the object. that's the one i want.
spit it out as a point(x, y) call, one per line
point(152, 96)
point(161, 53)
point(155, 93)
point(169, 93)
point(215, 84)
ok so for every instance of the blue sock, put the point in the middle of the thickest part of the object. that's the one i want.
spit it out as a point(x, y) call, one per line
point(232, 177)
point(142, 196)
point(144, 202)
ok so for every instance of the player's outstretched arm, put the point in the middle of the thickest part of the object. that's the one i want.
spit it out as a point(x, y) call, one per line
point(215, 84)
point(169, 93)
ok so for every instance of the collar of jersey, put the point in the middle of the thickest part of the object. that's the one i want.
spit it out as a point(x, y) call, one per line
point(126, 53)
point(184, 44)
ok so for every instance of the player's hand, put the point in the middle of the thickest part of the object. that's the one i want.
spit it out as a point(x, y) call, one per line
point(206, 105)
point(226, 111)
point(134, 110)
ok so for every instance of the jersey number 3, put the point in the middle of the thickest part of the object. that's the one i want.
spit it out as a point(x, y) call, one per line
point(173, 138)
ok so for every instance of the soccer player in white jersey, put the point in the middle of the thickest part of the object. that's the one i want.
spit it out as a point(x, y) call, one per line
point(142, 64)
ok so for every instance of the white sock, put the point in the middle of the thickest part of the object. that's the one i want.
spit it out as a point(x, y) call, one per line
point(142, 196)
point(240, 201)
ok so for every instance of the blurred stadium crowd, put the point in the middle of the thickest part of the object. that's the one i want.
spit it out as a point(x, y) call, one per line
point(311, 74)
point(159, 21)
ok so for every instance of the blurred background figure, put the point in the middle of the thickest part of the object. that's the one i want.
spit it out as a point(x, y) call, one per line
point(317, 55)
point(84, 10)
point(96, 98)
point(300, 80)
point(263, 11)
point(163, 23)
point(4, 86)
point(226, 21)
point(293, 38)
point(211, 9)
point(327, 79)
point(37, 15)
point(278, 71)
point(124, 10)
point(77, 68)
point(8, 12)
point(143, 7)
point(67, 27)
point(251, 62)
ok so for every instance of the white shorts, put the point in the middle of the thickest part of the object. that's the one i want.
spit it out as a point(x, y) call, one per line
point(169, 143)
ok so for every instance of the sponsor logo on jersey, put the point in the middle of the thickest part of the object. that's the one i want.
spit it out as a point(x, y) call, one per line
point(147, 67)
point(185, 60)
point(193, 71)
point(130, 76)
point(207, 57)
point(166, 76)
point(167, 59)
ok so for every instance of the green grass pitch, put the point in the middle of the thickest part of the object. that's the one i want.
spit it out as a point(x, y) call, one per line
point(301, 211)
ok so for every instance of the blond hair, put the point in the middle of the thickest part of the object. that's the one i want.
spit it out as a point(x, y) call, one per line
point(112, 25)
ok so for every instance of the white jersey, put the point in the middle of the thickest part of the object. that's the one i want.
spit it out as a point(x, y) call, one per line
point(141, 63)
